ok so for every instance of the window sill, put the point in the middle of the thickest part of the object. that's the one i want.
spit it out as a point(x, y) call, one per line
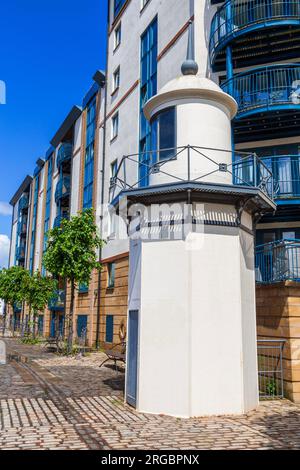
point(116, 48)
point(112, 140)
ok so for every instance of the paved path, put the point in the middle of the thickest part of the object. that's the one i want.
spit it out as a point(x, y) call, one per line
point(52, 402)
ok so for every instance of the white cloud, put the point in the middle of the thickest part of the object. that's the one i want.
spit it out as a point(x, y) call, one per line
point(5, 208)
point(4, 250)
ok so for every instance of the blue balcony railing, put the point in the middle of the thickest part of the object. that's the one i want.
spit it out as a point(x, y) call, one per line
point(23, 202)
point(272, 88)
point(278, 261)
point(59, 218)
point(64, 153)
point(62, 188)
point(58, 301)
point(236, 18)
point(22, 226)
point(286, 174)
point(20, 253)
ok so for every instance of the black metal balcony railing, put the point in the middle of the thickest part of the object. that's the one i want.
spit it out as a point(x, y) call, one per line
point(64, 153)
point(235, 18)
point(23, 202)
point(278, 261)
point(271, 88)
point(58, 301)
point(59, 218)
point(62, 188)
point(135, 171)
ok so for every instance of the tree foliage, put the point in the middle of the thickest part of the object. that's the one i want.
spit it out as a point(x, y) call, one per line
point(13, 282)
point(71, 251)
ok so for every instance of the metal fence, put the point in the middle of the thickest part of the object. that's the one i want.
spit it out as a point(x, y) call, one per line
point(270, 368)
point(278, 261)
point(191, 164)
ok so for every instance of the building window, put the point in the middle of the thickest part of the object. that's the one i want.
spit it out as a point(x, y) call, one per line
point(34, 222)
point(116, 79)
point(118, 5)
point(148, 88)
point(118, 36)
point(111, 269)
point(109, 335)
point(113, 169)
point(163, 133)
point(144, 3)
point(114, 126)
point(48, 205)
point(83, 288)
point(89, 155)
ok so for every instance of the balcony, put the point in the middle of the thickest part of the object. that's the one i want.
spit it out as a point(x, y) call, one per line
point(62, 188)
point(278, 261)
point(22, 227)
point(58, 301)
point(64, 153)
point(59, 218)
point(258, 32)
point(268, 100)
point(193, 166)
point(20, 253)
point(23, 202)
point(286, 174)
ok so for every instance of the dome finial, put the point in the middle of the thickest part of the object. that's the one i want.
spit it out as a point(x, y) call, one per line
point(190, 66)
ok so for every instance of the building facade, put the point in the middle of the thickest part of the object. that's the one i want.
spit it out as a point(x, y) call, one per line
point(251, 50)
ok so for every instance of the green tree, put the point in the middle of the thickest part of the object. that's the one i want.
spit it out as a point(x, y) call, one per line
point(13, 283)
point(71, 255)
point(38, 292)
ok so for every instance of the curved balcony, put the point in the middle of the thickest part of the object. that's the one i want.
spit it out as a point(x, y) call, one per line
point(57, 302)
point(22, 227)
point(272, 94)
point(20, 253)
point(64, 153)
point(62, 188)
point(23, 202)
point(251, 27)
point(278, 261)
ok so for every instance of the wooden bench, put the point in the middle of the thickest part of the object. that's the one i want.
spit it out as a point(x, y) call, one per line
point(112, 354)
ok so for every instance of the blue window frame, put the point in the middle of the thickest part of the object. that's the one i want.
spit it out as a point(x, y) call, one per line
point(89, 155)
point(118, 5)
point(34, 222)
point(148, 88)
point(48, 205)
point(111, 271)
point(109, 334)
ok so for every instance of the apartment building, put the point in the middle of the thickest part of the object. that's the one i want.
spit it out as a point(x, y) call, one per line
point(251, 50)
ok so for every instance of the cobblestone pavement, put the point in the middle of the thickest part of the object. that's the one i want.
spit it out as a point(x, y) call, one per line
point(51, 402)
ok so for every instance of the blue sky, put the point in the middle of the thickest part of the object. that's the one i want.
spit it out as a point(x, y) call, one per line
point(49, 53)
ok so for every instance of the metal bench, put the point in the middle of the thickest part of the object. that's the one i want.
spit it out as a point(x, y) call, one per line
point(112, 354)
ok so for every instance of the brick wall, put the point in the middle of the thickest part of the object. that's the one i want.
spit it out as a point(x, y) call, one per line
point(278, 317)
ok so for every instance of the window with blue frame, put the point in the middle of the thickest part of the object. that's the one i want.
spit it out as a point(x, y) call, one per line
point(284, 162)
point(148, 88)
point(34, 222)
point(109, 333)
point(111, 271)
point(48, 205)
point(163, 133)
point(89, 155)
point(118, 5)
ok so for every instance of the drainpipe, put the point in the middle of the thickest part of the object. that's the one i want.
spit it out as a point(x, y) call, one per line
point(102, 182)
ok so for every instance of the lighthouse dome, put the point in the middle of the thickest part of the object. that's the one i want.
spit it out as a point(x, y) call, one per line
point(187, 89)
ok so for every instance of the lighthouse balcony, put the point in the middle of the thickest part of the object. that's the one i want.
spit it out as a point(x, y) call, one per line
point(268, 101)
point(258, 31)
point(202, 169)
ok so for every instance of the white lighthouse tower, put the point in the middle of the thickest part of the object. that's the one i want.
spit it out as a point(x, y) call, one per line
point(191, 320)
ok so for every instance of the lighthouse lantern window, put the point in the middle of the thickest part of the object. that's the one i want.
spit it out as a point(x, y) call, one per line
point(163, 128)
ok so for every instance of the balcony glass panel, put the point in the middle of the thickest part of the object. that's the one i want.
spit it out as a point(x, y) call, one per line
point(278, 261)
point(64, 153)
point(62, 188)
